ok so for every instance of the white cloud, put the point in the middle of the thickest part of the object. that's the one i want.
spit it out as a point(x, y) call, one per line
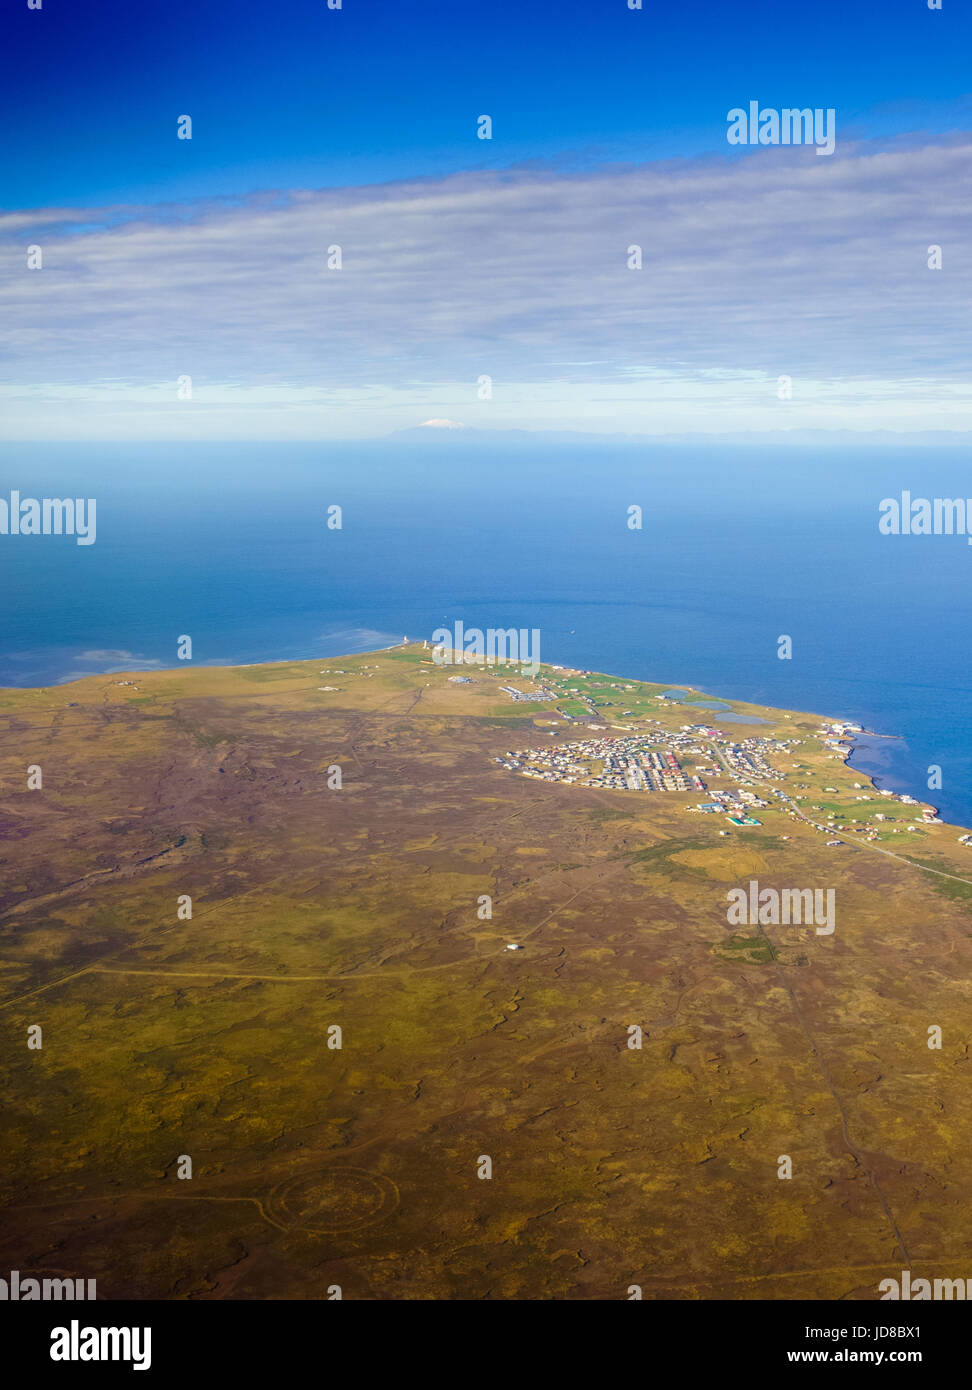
point(774, 264)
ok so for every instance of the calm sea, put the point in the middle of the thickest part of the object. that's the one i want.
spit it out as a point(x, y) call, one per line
point(229, 544)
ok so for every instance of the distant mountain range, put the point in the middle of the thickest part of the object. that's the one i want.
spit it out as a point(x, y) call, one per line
point(452, 431)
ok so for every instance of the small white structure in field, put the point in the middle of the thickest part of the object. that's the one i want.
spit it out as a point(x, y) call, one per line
point(514, 946)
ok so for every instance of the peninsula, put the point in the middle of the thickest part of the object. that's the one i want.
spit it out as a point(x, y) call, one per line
point(265, 1035)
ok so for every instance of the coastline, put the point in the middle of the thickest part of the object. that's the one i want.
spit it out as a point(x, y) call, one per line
point(765, 714)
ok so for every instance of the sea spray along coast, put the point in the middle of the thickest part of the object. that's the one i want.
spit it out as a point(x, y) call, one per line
point(485, 756)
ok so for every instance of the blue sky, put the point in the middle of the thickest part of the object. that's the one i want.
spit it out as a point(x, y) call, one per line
point(296, 95)
point(167, 257)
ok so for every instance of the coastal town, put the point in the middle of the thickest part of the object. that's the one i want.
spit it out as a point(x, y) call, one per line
point(700, 758)
point(695, 756)
point(662, 761)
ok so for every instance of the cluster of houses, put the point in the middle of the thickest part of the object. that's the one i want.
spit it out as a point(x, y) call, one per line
point(622, 763)
point(528, 695)
point(834, 736)
point(650, 762)
point(748, 760)
point(736, 805)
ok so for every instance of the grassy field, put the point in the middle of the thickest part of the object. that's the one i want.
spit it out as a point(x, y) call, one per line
point(317, 907)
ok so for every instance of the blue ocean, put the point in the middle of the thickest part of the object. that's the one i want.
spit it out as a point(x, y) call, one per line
point(229, 543)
